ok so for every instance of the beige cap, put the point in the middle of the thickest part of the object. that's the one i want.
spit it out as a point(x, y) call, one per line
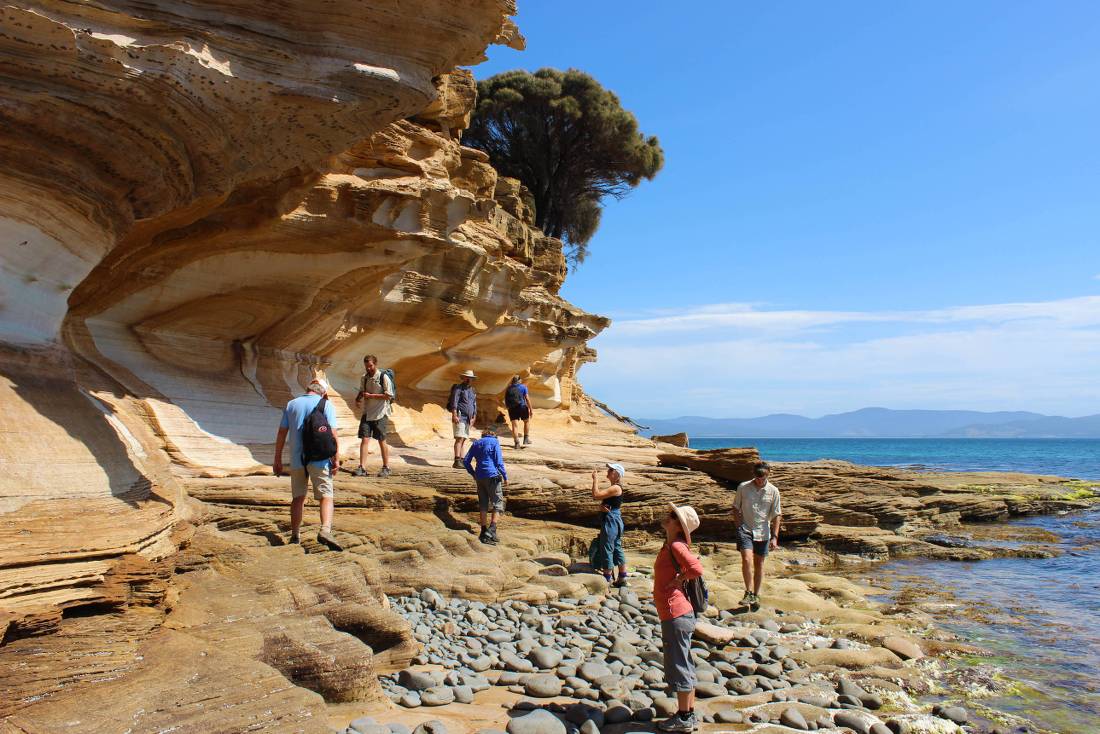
point(689, 519)
point(468, 373)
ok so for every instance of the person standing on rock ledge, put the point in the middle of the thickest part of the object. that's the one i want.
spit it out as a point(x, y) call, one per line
point(674, 565)
point(491, 478)
point(606, 552)
point(757, 513)
point(518, 402)
point(319, 472)
point(375, 393)
point(463, 406)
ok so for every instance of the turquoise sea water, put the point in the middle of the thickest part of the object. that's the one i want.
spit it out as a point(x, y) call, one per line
point(1074, 457)
point(1039, 618)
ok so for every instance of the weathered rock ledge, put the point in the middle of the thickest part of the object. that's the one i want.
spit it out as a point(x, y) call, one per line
point(201, 206)
point(307, 628)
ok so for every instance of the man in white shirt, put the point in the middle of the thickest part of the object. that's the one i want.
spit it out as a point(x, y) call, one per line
point(757, 513)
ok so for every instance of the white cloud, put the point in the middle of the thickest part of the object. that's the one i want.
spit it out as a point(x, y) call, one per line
point(750, 316)
point(742, 360)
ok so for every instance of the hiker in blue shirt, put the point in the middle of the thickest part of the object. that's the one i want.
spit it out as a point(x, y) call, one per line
point(518, 402)
point(319, 473)
point(491, 477)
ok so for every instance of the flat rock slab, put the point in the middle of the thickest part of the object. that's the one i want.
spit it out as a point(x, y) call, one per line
point(904, 648)
point(713, 634)
point(850, 659)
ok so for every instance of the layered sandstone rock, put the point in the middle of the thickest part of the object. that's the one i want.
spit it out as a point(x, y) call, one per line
point(676, 439)
point(203, 205)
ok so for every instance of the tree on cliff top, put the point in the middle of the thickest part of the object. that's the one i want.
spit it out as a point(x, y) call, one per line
point(568, 140)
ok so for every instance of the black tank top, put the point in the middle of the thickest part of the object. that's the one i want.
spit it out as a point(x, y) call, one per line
point(613, 503)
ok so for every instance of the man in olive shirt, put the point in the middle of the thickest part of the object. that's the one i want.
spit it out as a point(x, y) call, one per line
point(757, 512)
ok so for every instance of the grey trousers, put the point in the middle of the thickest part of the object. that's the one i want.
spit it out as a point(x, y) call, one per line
point(679, 667)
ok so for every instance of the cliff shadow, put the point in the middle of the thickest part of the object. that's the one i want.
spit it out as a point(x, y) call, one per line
point(52, 432)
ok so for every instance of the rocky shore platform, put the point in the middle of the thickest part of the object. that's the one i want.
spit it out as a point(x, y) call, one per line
point(414, 623)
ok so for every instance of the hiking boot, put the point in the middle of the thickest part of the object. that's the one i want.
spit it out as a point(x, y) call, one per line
point(526, 441)
point(457, 463)
point(385, 472)
point(359, 472)
point(487, 538)
point(746, 600)
point(484, 535)
point(294, 539)
point(754, 604)
point(620, 582)
point(680, 721)
point(515, 444)
point(326, 537)
point(493, 533)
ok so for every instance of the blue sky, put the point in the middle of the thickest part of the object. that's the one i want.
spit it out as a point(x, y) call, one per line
point(862, 204)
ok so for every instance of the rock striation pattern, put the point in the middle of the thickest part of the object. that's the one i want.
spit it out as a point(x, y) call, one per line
point(202, 205)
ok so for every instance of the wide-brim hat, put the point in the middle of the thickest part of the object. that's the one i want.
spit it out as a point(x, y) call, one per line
point(689, 519)
point(468, 373)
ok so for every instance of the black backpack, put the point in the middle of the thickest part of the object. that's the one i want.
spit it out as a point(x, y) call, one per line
point(513, 397)
point(694, 589)
point(318, 440)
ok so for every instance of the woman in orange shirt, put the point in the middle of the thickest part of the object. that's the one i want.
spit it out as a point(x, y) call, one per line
point(674, 565)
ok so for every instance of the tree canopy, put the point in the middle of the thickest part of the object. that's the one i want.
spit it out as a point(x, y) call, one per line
point(568, 140)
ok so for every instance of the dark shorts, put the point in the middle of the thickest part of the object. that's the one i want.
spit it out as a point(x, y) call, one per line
point(745, 542)
point(490, 494)
point(519, 414)
point(374, 429)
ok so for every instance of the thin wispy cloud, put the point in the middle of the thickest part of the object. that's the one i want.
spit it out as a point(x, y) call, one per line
point(1085, 309)
point(744, 359)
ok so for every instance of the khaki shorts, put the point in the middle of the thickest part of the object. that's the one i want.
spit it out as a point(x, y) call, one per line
point(319, 475)
point(461, 429)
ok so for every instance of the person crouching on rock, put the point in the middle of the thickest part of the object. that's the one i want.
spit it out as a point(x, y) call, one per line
point(674, 565)
point(606, 551)
point(491, 478)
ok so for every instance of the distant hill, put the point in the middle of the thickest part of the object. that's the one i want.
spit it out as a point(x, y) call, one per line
point(884, 423)
point(1046, 427)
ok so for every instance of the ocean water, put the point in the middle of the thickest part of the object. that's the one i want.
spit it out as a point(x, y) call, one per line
point(1040, 619)
point(1077, 458)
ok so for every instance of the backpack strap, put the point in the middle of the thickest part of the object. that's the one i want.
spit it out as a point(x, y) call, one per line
point(675, 563)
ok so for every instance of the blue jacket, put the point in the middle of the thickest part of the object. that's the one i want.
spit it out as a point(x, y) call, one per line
point(490, 462)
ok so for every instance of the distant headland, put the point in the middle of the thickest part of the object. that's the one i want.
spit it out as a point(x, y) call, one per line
point(885, 423)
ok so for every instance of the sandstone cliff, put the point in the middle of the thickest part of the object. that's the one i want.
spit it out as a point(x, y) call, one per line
point(201, 205)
